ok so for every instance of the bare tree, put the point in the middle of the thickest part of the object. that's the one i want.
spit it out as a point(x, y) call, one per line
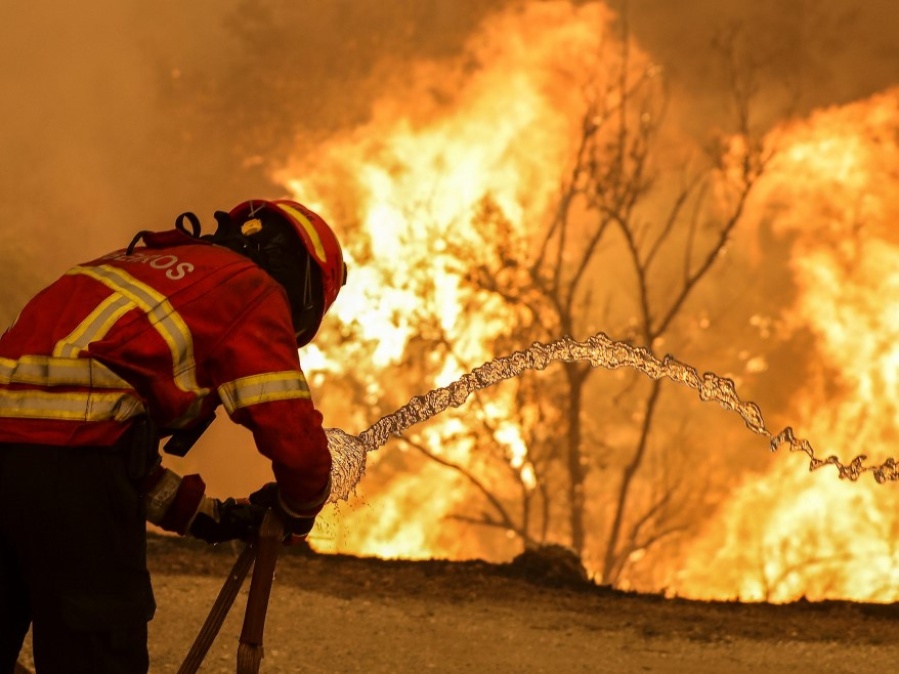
point(665, 230)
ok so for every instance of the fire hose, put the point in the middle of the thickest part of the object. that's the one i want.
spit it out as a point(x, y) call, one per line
point(263, 550)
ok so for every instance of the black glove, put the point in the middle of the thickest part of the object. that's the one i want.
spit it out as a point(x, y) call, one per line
point(295, 526)
point(218, 521)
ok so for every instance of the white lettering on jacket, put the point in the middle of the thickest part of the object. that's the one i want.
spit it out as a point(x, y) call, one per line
point(174, 269)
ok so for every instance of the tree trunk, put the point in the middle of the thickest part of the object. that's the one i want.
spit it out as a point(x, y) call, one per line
point(577, 469)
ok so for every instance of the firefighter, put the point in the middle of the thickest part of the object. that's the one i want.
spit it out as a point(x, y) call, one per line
point(139, 346)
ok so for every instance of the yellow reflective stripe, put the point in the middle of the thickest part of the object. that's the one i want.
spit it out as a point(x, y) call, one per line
point(162, 316)
point(69, 406)
point(263, 388)
point(50, 371)
point(94, 326)
point(310, 230)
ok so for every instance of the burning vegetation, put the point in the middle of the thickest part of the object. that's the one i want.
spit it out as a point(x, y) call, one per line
point(540, 187)
point(830, 200)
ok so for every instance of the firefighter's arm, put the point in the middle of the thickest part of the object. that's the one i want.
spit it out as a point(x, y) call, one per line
point(289, 432)
point(179, 504)
point(257, 374)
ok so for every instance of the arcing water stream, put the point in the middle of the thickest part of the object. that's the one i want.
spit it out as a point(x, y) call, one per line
point(349, 451)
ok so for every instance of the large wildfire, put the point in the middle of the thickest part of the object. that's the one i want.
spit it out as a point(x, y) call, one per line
point(831, 198)
point(498, 130)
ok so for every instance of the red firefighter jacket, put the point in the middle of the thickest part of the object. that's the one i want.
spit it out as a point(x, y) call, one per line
point(173, 330)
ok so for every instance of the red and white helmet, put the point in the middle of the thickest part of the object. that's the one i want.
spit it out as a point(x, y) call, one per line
point(318, 238)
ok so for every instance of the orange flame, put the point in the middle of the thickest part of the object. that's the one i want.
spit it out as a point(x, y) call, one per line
point(407, 184)
point(497, 124)
point(832, 196)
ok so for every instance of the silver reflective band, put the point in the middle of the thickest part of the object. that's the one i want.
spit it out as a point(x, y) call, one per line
point(263, 388)
point(50, 371)
point(70, 406)
point(94, 326)
point(162, 316)
point(159, 499)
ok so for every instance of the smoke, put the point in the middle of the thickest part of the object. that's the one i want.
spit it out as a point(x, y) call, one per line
point(819, 53)
point(79, 119)
point(122, 116)
point(119, 117)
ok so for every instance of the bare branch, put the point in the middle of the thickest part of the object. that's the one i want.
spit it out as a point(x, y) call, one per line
point(671, 221)
point(505, 517)
point(627, 477)
point(712, 255)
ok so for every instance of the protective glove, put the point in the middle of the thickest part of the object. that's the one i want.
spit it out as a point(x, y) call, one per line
point(218, 521)
point(296, 526)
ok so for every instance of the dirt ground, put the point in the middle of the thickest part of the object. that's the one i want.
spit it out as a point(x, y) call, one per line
point(346, 614)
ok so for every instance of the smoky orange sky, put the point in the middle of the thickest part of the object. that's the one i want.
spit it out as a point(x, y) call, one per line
point(109, 115)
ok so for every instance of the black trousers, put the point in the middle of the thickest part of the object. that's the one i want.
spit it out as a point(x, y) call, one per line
point(73, 560)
